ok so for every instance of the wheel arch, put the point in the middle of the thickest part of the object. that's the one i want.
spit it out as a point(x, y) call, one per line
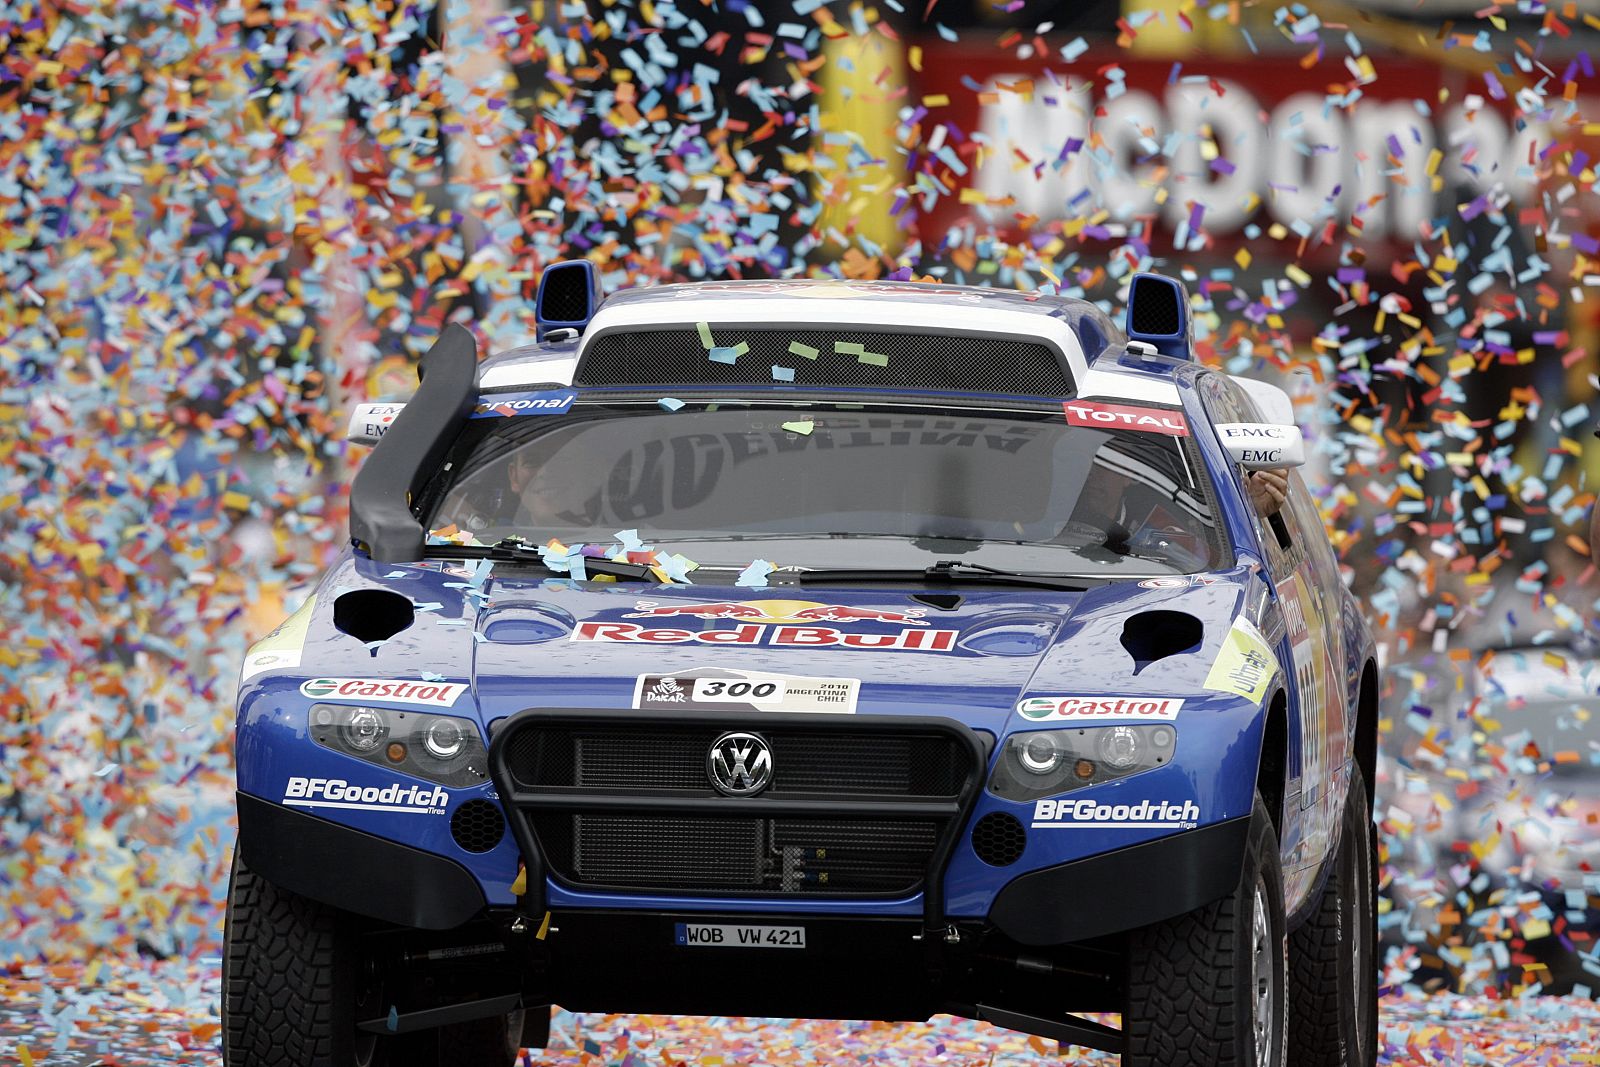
point(1366, 731)
point(1272, 769)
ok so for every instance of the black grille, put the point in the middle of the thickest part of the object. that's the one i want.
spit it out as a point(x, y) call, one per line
point(999, 839)
point(1154, 307)
point(566, 294)
point(914, 360)
point(757, 856)
point(857, 838)
point(477, 825)
point(608, 759)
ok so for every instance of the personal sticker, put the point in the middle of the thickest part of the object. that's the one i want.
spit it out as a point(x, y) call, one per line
point(723, 688)
point(1245, 665)
point(425, 694)
point(1099, 709)
point(1126, 417)
point(501, 405)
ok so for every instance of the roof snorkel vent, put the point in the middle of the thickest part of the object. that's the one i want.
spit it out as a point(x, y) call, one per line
point(569, 294)
point(381, 520)
point(1158, 314)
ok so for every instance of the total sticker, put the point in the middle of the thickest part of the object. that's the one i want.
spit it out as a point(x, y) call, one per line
point(722, 687)
point(1127, 417)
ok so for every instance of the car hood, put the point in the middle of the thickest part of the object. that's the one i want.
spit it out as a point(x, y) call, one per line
point(510, 637)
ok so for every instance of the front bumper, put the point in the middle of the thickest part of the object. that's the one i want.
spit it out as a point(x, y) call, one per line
point(355, 871)
point(1125, 889)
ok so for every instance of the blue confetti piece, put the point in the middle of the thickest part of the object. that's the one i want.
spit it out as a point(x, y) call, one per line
point(668, 403)
point(755, 575)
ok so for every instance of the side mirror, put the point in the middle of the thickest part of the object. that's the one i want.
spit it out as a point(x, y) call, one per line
point(369, 422)
point(1263, 446)
point(1272, 403)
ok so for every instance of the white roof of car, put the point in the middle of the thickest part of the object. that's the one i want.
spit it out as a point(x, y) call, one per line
point(806, 304)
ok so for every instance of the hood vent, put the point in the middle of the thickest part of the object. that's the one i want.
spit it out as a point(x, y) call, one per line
point(371, 615)
point(1151, 636)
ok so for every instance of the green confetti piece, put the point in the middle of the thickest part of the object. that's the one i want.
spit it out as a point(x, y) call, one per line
point(804, 351)
point(877, 359)
point(740, 349)
point(848, 348)
point(803, 427)
point(705, 335)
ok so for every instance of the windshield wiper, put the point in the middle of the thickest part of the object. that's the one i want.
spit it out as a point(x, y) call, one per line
point(518, 550)
point(952, 571)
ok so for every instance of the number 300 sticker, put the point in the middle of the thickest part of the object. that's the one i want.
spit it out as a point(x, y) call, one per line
point(721, 687)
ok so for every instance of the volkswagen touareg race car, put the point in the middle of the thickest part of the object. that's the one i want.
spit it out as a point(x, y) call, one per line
point(815, 649)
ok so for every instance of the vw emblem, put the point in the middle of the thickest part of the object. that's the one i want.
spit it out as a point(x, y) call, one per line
point(739, 764)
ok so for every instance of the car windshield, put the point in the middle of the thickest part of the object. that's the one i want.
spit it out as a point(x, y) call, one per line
point(840, 486)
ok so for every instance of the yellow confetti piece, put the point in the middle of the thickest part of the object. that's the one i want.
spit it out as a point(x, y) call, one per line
point(935, 100)
point(520, 886)
point(544, 927)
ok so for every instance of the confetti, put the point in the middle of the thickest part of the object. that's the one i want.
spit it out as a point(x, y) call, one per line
point(755, 575)
point(208, 264)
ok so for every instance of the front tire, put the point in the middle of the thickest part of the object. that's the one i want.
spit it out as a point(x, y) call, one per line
point(294, 986)
point(287, 998)
point(1209, 988)
point(1333, 977)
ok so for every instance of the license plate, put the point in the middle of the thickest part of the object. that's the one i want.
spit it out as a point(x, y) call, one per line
point(721, 935)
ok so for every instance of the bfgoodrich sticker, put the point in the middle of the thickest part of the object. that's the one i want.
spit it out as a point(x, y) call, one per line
point(427, 694)
point(1100, 709)
point(724, 688)
point(1090, 814)
point(338, 793)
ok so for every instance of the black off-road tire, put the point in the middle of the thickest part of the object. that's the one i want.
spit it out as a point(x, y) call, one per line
point(1333, 964)
point(285, 1002)
point(1191, 1002)
point(290, 980)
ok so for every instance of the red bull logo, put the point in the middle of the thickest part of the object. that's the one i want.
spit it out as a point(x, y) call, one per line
point(779, 611)
point(788, 623)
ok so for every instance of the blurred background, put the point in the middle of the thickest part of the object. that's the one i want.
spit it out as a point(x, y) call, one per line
point(223, 224)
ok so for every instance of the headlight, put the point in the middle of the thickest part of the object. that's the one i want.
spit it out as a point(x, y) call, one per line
point(440, 748)
point(1047, 763)
point(364, 731)
point(443, 738)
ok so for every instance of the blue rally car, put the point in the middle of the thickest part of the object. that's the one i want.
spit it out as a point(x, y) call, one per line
point(815, 649)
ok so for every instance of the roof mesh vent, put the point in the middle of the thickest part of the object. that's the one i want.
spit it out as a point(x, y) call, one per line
point(845, 357)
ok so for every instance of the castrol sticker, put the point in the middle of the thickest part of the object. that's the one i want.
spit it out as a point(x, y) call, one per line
point(427, 694)
point(1100, 709)
point(1126, 417)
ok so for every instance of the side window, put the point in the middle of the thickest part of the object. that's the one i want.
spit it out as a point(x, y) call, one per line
point(1310, 531)
point(1090, 338)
